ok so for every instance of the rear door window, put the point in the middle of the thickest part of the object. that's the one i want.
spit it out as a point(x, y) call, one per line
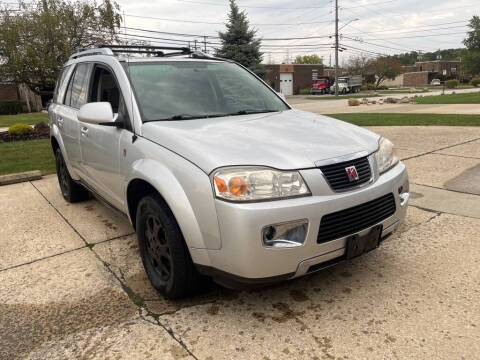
point(77, 91)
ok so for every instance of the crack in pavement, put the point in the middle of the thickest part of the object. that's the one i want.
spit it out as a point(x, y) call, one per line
point(134, 297)
point(460, 156)
point(440, 188)
point(441, 212)
point(44, 258)
point(443, 148)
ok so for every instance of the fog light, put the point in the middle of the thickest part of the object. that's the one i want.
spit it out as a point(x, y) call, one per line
point(285, 235)
point(404, 193)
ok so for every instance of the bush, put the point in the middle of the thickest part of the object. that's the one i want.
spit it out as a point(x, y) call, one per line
point(452, 84)
point(475, 82)
point(353, 102)
point(20, 130)
point(305, 91)
point(11, 107)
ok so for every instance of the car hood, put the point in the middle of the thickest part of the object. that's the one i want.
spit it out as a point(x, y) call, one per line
point(290, 139)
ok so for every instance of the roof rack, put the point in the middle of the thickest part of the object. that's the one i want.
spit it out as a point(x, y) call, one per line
point(146, 49)
point(105, 49)
point(88, 52)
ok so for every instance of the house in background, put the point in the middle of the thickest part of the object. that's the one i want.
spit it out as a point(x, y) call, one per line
point(11, 91)
point(423, 72)
point(289, 79)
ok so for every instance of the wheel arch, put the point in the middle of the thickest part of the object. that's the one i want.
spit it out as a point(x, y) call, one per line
point(151, 176)
point(57, 143)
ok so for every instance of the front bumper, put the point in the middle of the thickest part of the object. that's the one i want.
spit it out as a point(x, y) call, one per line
point(243, 257)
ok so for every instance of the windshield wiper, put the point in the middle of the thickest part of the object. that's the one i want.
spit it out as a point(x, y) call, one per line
point(192, 117)
point(182, 117)
point(251, 111)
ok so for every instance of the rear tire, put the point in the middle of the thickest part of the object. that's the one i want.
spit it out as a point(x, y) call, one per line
point(71, 191)
point(164, 253)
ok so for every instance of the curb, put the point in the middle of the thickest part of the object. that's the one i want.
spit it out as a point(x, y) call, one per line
point(20, 177)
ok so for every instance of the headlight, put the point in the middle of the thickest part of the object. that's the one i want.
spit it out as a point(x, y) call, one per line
point(385, 156)
point(258, 183)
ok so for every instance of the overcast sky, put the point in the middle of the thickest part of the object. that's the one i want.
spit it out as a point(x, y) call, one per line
point(382, 27)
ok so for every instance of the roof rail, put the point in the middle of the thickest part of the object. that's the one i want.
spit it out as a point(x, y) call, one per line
point(88, 52)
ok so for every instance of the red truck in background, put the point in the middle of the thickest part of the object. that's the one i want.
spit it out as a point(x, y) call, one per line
point(321, 86)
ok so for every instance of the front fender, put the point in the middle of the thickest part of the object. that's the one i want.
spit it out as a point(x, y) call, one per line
point(55, 133)
point(187, 191)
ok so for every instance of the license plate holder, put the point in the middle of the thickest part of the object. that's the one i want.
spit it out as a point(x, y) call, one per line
point(358, 245)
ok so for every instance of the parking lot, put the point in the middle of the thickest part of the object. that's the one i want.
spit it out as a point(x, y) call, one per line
point(72, 284)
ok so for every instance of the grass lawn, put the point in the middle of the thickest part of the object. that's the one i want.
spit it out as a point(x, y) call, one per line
point(381, 119)
point(20, 156)
point(30, 119)
point(401, 91)
point(467, 98)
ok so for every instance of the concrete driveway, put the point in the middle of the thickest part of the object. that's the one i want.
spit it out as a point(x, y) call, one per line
point(72, 285)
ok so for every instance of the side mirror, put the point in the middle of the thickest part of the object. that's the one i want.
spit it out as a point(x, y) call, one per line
point(282, 96)
point(99, 113)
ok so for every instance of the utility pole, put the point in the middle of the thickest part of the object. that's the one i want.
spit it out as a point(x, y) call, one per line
point(336, 48)
point(205, 44)
point(195, 44)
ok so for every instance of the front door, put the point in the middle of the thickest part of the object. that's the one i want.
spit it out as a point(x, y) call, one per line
point(103, 147)
point(286, 83)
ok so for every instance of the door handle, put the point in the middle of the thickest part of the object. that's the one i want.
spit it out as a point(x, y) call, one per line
point(84, 131)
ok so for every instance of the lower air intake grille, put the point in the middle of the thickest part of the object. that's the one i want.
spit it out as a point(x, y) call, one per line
point(350, 221)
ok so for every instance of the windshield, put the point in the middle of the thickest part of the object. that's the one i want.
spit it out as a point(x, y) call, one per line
point(184, 90)
point(342, 81)
point(320, 81)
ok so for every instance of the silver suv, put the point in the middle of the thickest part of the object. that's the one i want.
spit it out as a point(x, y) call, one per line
point(218, 175)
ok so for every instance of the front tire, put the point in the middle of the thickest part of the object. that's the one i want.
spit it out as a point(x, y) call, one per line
point(71, 191)
point(164, 253)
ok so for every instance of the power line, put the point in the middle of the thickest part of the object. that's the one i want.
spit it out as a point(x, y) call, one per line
point(377, 3)
point(413, 27)
point(373, 44)
point(222, 23)
point(252, 6)
point(423, 36)
point(217, 37)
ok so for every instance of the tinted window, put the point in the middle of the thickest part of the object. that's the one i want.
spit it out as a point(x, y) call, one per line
point(77, 91)
point(203, 88)
point(105, 88)
point(61, 85)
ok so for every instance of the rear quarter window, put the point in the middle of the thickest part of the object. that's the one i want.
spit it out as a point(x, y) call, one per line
point(61, 85)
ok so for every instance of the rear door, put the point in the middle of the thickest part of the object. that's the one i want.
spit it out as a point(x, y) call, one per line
point(66, 116)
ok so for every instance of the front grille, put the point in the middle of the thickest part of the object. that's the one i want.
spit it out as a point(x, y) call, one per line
point(350, 221)
point(337, 176)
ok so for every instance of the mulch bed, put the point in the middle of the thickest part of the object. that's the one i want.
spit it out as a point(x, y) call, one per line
point(42, 133)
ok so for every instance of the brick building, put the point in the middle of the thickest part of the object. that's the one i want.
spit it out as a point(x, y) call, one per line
point(447, 69)
point(10, 91)
point(289, 79)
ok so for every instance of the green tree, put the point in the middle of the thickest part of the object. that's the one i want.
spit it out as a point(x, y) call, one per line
point(386, 68)
point(37, 40)
point(308, 59)
point(239, 42)
point(471, 61)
